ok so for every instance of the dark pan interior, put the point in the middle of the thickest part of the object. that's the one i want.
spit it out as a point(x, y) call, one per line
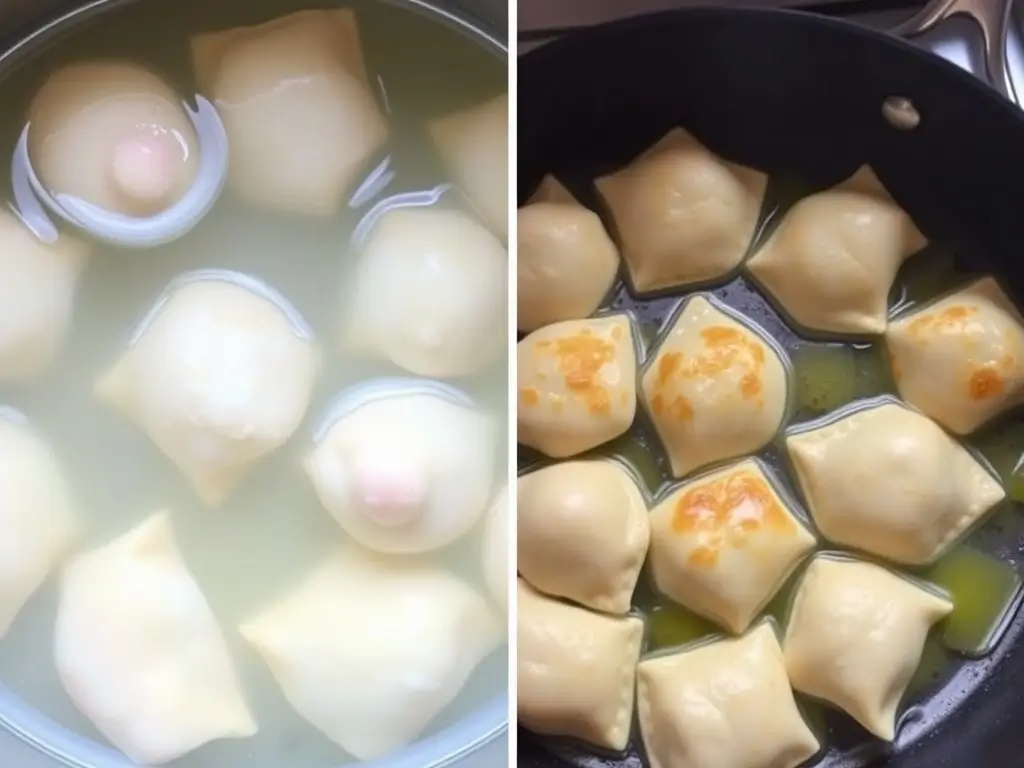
point(800, 96)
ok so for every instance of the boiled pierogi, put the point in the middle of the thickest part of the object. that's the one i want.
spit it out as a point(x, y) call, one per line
point(474, 146)
point(218, 375)
point(370, 649)
point(431, 291)
point(886, 480)
point(576, 670)
point(112, 134)
point(960, 360)
point(832, 260)
point(38, 522)
point(308, 64)
point(724, 704)
point(715, 389)
point(682, 214)
point(577, 384)
point(724, 543)
point(404, 465)
point(494, 555)
point(140, 653)
point(583, 532)
point(855, 636)
point(38, 283)
point(567, 263)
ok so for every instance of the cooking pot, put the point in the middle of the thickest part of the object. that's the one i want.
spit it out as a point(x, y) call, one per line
point(28, 738)
point(797, 93)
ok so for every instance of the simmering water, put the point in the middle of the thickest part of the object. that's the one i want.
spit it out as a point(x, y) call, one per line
point(272, 528)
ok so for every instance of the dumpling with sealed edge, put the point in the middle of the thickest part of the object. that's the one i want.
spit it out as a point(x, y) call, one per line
point(219, 374)
point(431, 293)
point(474, 146)
point(960, 360)
point(715, 388)
point(723, 703)
point(567, 263)
point(494, 550)
point(576, 670)
point(370, 649)
point(38, 519)
point(576, 384)
point(832, 260)
point(682, 214)
point(38, 283)
point(404, 465)
point(140, 653)
point(301, 117)
point(888, 481)
point(855, 635)
point(723, 544)
point(583, 532)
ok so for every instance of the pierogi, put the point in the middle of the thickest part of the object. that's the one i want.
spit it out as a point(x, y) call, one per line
point(576, 670)
point(474, 145)
point(960, 360)
point(369, 649)
point(112, 134)
point(140, 653)
point(577, 384)
point(494, 551)
point(219, 374)
point(715, 388)
point(431, 293)
point(724, 543)
point(583, 533)
point(38, 283)
point(38, 518)
point(404, 465)
point(682, 214)
point(886, 480)
point(832, 260)
point(725, 704)
point(566, 261)
point(309, 63)
point(855, 636)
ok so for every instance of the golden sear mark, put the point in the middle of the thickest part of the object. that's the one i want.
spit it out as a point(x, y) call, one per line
point(984, 379)
point(529, 396)
point(725, 512)
point(726, 349)
point(580, 358)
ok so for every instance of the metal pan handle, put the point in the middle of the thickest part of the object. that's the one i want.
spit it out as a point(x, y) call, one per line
point(992, 17)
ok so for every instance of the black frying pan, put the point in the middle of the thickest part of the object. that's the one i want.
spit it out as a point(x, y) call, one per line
point(796, 93)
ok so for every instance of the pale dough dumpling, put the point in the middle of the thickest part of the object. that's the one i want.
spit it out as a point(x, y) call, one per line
point(577, 384)
point(888, 481)
point(961, 359)
point(218, 375)
point(726, 704)
point(494, 551)
point(724, 543)
point(716, 389)
point(474, 145)
point(369, 649)
point(140, 653)
point(404, 465)
point(38, 523)
point(583, 532)
point(567, 263)
point(855, 636)
point(301, 117)
point(115, 135)
point(832, 261)
point(576, 670)
point(683, 215)
point(431, 293)
point(37, 297)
